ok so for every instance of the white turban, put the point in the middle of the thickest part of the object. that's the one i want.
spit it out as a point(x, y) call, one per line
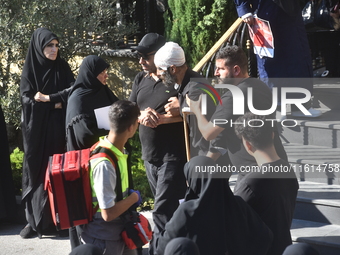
point(170, 54)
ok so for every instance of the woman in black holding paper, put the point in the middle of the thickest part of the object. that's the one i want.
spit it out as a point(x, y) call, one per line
point(44, 87)
point(89, 92)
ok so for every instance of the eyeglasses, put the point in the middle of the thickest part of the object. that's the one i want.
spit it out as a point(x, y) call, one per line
point(146, 57)
point(52, 45)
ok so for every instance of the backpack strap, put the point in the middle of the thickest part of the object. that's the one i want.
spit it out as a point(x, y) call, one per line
point(106, 152)
point(100, 152)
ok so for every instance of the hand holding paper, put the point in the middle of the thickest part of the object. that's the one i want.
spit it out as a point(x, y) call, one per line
point(102, 117)
point(262, 37)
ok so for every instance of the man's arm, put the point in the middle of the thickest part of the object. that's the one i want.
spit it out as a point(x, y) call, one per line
point(243, 7)
point(167, 119)
point(120, 207)
point(104, 184)
point(150, 118)
point(213, 155)
point(208, 130)
point(172, 108)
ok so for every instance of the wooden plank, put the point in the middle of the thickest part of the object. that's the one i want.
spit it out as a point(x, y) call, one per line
point(217, 45)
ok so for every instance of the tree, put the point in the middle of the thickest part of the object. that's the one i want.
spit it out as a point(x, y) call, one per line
point(197, 24)
point(83, 26)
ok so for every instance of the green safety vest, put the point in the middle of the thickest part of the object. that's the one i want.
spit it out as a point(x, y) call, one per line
point(122, 167)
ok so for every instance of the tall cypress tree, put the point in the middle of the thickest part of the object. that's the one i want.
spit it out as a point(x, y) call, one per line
point(197, 24)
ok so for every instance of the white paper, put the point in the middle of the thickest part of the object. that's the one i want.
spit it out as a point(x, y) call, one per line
point(102, 117)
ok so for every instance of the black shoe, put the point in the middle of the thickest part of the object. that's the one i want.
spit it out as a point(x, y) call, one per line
point(28, 232)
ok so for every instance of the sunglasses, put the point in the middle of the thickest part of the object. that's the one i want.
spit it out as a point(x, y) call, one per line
point(146, 57)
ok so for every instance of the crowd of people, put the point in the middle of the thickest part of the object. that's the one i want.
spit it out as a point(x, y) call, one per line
point(195, 212)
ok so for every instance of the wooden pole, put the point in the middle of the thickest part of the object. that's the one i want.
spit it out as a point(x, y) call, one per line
point(217, 45)
point(186, 133)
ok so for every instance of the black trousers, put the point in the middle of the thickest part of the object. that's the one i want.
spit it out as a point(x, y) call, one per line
point(168, 185)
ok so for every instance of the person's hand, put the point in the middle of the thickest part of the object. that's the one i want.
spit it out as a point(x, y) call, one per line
point(149, 117)
point(40, 97)
point(195, 106)
point(139, 197)
point(248, 18)
point(172, 108)
point(58, 105)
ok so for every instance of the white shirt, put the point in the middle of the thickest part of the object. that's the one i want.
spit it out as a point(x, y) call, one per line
point(104, 178)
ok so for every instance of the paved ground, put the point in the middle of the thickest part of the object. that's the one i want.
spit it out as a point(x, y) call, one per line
point(12, 244)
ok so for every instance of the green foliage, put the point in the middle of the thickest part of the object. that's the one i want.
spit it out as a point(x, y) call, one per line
point(75, 22)
point(138, 172)
point(17, 157)
point(198, 24)
point(10, 101)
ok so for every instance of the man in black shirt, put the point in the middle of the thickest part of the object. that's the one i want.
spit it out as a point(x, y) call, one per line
point(271, 191)
point(172, 69)
point(161, 136)
point(232, 68)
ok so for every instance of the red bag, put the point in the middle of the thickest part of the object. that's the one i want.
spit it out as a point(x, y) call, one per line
point(68, 185)
point(137, 231)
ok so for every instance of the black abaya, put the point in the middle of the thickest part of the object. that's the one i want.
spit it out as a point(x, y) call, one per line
point(211, 216)
point(87, 95)
point(43, 126)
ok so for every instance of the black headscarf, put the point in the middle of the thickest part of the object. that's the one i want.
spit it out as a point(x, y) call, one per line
point(87, 95)
point(43, 125)
point(42, 74)
point(212, 217)
point(90, 68)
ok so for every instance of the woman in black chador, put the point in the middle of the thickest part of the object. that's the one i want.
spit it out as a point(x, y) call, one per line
point(89, 92)
point(211, 216)
point(44, 87)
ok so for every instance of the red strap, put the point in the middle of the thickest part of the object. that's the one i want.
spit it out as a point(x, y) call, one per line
point(103, 155)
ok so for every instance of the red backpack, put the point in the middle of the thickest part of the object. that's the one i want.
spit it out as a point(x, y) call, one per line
point(68, 185)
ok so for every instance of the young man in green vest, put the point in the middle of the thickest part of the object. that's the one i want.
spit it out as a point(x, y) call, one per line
point(104, 231)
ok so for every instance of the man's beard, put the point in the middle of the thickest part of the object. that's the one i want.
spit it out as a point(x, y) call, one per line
point(169, 79)
point(150, 70)
point(226, 80)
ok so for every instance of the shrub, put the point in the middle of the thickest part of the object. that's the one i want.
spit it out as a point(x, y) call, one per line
point(17, 157)
point(198, 24)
